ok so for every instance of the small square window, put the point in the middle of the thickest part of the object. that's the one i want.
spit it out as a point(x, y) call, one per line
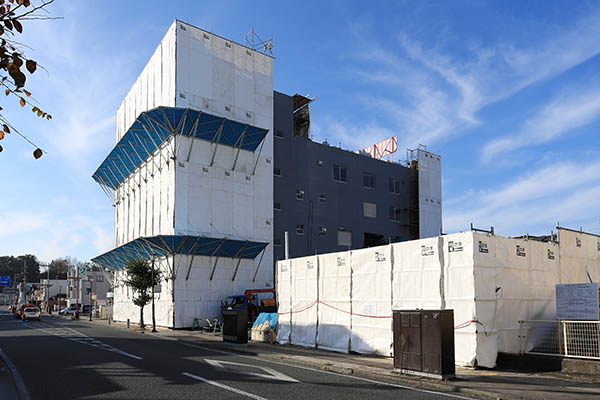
point(344, 237)
point(300, 229)
point(322, 198)
point(340, 173)
point(277, 242)
point(277, 206)
point(395, 185)
point(279, 133)
point(99, 278)
point(277, 171)
point(369, 209)
point(395, 214)
point(368, 180)
point(299, 194)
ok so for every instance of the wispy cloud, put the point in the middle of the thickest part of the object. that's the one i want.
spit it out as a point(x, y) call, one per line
point(558, 192)
point(440, 96)
point(560, 116)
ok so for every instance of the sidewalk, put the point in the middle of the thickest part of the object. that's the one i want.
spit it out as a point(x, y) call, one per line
point(492, 384)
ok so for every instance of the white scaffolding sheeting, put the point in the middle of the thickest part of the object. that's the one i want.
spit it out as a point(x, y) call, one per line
point(335, 308)
point(371, 301)
point(304, 299)
point(490, 282)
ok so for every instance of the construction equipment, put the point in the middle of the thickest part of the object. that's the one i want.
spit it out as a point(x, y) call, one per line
point(250, 301)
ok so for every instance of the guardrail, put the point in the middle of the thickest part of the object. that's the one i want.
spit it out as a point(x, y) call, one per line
point(578, 339)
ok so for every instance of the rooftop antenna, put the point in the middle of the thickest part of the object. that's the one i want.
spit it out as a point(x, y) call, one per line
point(256, 43)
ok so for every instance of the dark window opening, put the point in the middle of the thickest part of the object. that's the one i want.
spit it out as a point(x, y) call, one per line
point(368, 180)
point(373, 239)
point(340, 173)
point(300, 229)
point(395, 185)
point(277, 242)
point(277, 171)
point(322, 198)
point(277, 205)
point(397, 214)
point(299, 194)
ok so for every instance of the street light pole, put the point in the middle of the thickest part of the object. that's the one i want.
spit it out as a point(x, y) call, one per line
point(153, 318)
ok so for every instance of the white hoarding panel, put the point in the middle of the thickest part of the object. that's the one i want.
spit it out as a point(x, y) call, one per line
point(416, 275)
point(334, 309)
point(579, 256)
point(371, 303)
point(304, 301)
point(577, 302)
point(284, 301)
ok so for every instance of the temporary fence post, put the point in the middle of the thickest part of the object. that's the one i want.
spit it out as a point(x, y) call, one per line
point(564, 324)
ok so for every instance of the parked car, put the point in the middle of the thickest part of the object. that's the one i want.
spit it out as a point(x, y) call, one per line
point(31, 313)
point(70, 310)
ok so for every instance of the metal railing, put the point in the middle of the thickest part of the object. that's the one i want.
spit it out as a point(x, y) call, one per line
point(578, 339)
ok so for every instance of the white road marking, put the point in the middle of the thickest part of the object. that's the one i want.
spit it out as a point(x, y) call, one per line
point(78, 337)
point(21, 388)
point(271, 373)
point(222, 386)
point(330, 373)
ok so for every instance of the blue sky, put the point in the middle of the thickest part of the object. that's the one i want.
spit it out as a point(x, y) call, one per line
point(507, 92)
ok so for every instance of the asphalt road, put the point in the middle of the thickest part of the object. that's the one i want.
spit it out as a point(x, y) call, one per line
point(61, 359)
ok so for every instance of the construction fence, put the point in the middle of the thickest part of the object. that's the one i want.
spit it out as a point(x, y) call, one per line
point(577, 339)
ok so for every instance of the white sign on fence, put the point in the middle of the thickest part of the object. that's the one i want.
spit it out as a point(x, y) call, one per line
point(577, 301)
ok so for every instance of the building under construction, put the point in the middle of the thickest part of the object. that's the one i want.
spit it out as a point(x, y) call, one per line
point(211, 166)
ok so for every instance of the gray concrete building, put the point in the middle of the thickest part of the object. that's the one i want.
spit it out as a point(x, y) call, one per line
point(330, 199)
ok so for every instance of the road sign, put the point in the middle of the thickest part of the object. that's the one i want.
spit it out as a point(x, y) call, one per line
point(82, 270)
point(4, 280)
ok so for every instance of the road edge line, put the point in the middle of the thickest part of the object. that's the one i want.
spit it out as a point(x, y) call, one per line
point(16, 377)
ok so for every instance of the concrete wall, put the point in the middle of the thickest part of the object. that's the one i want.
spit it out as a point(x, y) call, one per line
point(308, 166)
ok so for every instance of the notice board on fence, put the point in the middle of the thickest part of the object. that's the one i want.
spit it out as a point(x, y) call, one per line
point(577, 301)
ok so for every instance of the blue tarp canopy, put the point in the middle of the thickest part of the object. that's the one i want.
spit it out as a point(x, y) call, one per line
point(152, 128)
point(164, 245)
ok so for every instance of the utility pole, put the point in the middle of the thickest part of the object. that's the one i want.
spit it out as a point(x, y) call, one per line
point(48, 289)
point(59, 290)
point(153, 318)
point(90, 278)
point(25, 278)
point(77, 294)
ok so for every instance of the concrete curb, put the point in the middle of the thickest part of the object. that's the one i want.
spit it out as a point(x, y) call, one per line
point(388, 376)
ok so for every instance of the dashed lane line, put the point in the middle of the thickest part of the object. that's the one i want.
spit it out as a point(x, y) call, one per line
point(78, 337)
